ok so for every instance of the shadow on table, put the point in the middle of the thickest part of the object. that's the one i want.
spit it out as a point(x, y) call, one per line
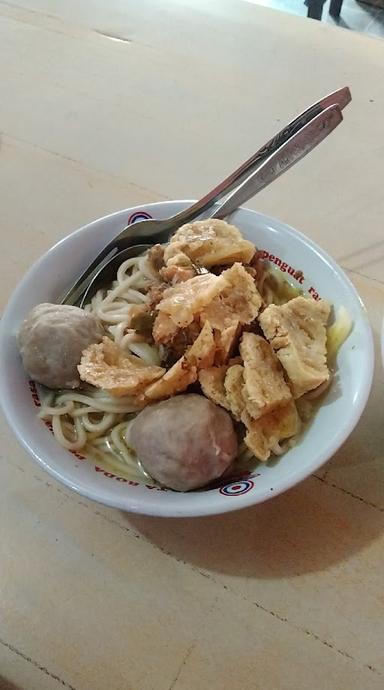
point(7, 684)
point(306, 529)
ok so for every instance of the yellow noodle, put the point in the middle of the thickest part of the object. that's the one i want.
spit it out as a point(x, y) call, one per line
point(90, 420)
point(97, 424)
point(106, 422)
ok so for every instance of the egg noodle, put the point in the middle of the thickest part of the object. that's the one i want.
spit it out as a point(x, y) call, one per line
point(92, 422)
point(88, 419)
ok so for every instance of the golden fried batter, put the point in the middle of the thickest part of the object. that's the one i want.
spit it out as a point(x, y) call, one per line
point(107, 366)
point(210, 242)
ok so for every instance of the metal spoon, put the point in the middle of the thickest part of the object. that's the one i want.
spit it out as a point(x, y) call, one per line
point(284, 158)
point(160, 230)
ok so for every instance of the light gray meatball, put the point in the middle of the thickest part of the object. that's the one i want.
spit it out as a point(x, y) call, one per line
point(51, 340)
point(184, 442)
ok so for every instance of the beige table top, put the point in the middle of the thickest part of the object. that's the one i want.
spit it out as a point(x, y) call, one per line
point(109, 104)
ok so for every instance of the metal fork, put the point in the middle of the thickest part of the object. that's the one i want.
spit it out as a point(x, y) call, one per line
point(158, 231)
point(287, 155)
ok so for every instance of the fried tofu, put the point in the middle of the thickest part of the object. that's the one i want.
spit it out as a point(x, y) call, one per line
point(175, 380)
point(235, 306)
point(184, 300)
point(297, 333)
point(234, 386)
point(107, 366)
point(265, 388)
point(226, 342)
point(226, 301)
point(264, 434)
point(202, 353)
point(212, 381)
point(164, 329)
point(237, 302)
point(177, 274)
point(210, 242)
point(185, 371)
point(212, 384)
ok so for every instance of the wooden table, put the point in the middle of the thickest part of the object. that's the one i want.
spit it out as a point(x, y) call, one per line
point(109, 104)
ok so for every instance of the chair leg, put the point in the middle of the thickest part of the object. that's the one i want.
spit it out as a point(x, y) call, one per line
point(315, 9)
point(335, 8)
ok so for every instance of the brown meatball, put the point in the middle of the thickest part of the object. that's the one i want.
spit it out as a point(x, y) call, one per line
point(51, 340)
point(184, 442)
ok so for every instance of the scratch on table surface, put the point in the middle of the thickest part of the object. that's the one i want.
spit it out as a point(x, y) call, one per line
point(358, 252)
point(56, 24)
point(114, 36)
point(224, 587)
point(41, 20)
point(183, 662)
point(208, 575)
point(34, 663)
point(324, 480)
point(82, 166)
point(379, 283)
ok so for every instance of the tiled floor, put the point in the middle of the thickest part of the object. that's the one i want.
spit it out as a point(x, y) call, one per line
point(355, 15)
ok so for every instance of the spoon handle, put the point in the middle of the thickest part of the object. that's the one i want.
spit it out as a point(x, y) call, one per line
point(341, 98)
point(284, 158)
point(159, 230)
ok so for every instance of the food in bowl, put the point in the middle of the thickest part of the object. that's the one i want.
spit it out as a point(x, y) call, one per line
point(199, 448)
point(198, 324)
point(51, 341)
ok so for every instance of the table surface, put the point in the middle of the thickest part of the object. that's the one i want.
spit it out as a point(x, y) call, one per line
point(111, 104)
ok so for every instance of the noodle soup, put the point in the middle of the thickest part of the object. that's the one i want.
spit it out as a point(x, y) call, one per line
point(95, 423)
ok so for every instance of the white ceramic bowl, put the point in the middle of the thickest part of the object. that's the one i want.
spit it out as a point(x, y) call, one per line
point(48, 279)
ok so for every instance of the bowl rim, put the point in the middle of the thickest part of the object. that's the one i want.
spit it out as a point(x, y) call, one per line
point(191, 509)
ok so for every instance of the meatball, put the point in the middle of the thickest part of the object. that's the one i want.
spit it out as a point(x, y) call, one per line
point(184, 442)
point(51, 340)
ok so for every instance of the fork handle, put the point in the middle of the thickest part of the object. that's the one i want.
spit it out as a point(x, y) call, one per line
point(341, 97)
point(284, 158)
